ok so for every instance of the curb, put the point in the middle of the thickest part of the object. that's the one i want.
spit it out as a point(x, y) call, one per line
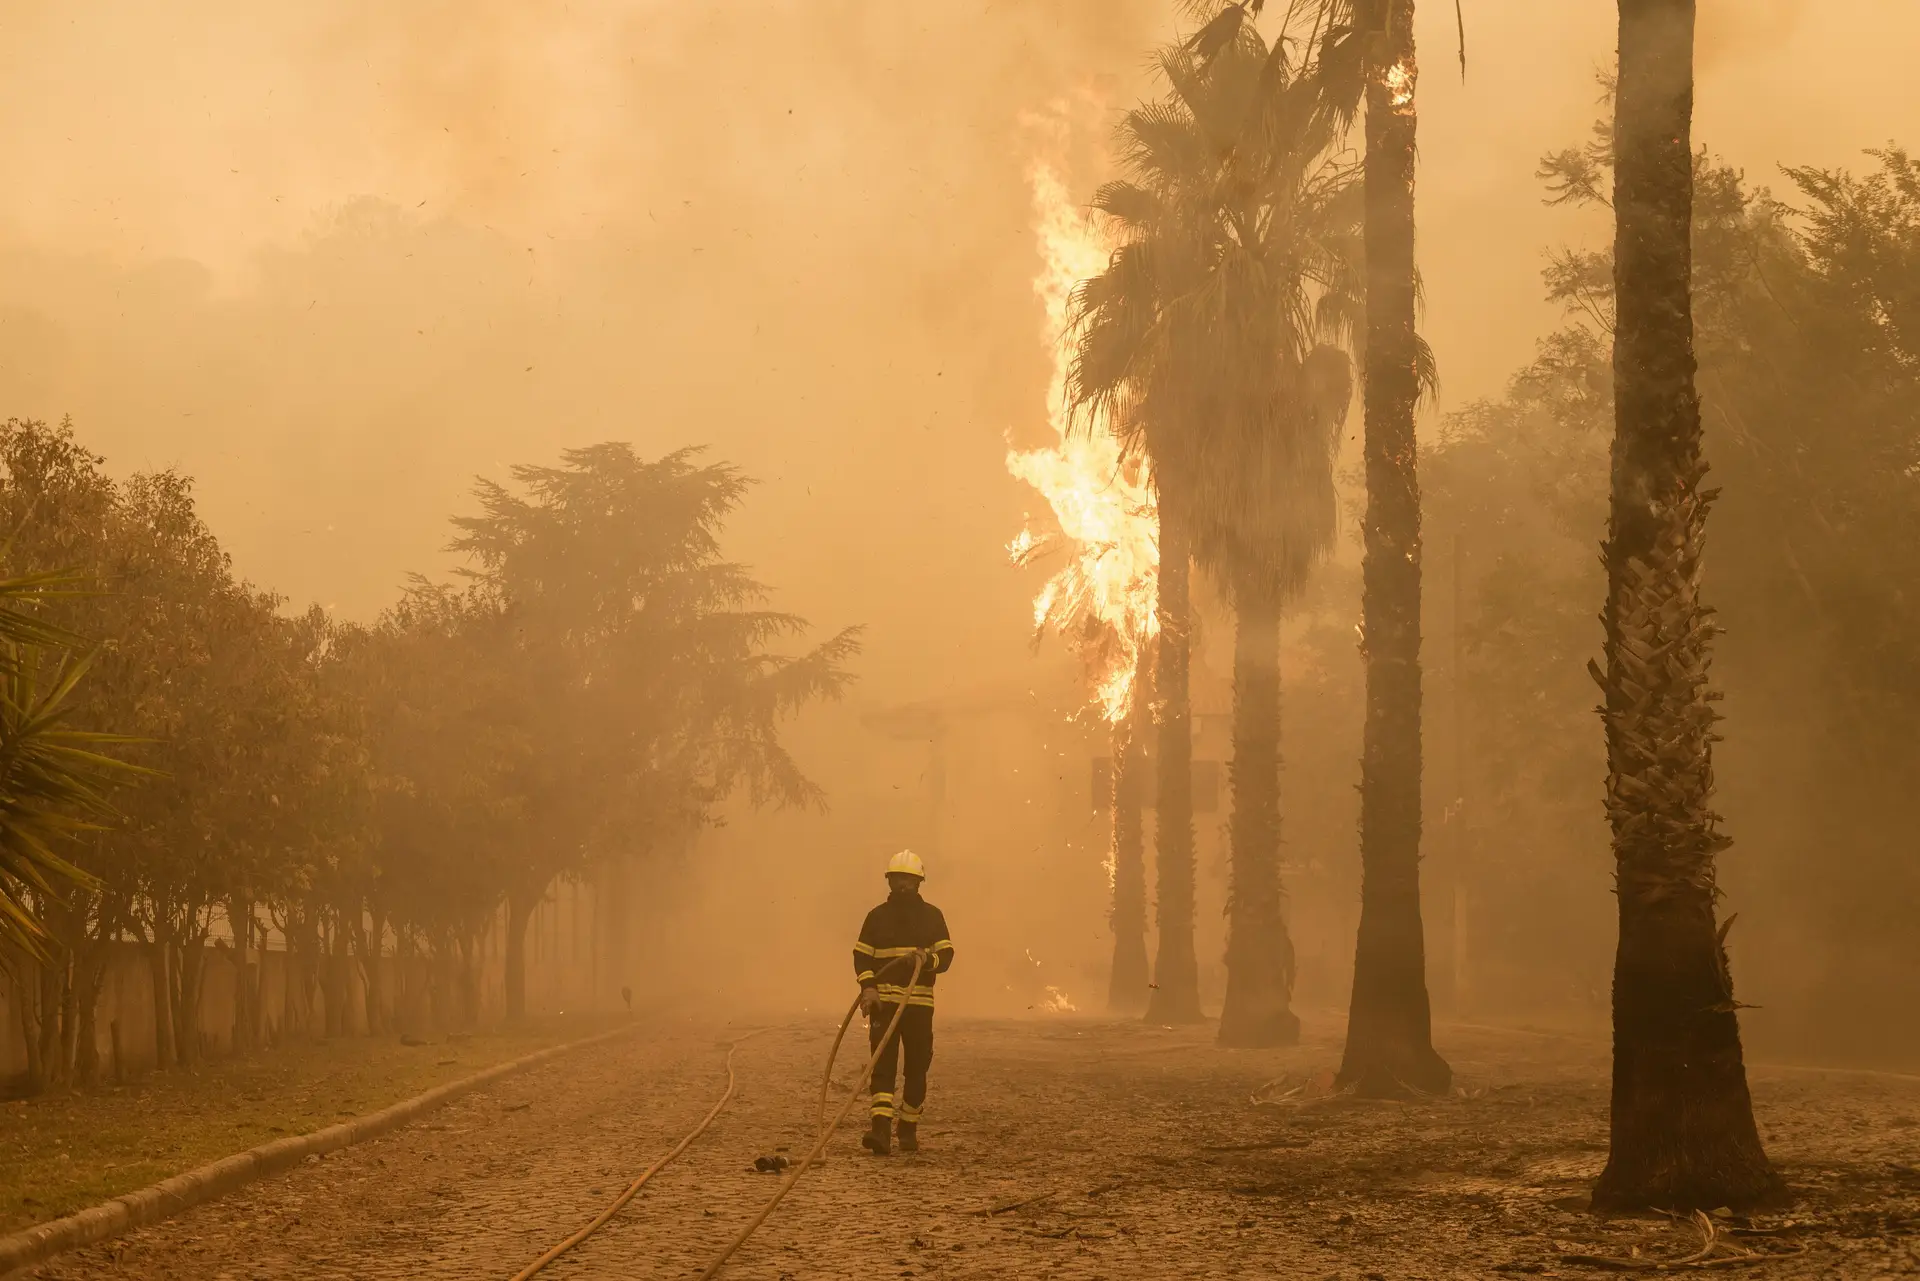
point(170, 1196)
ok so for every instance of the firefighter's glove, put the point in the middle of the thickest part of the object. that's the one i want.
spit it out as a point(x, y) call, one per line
point(869, 1001)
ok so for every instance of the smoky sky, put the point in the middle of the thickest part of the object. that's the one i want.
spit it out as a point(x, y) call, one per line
point(334, 259)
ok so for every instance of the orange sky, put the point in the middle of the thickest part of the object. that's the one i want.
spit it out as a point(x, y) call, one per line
point(336, 258)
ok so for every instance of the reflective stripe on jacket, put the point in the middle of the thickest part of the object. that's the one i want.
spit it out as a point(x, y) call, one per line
point(895, 930)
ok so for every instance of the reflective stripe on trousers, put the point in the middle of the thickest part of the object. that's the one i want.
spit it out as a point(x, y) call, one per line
point(916, 1037)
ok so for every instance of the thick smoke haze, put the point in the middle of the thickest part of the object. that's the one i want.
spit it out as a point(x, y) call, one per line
point(335, 259)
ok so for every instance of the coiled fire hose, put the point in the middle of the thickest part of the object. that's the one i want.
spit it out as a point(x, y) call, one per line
point(825, 1132)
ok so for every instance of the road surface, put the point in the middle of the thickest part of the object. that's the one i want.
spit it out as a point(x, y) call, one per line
point(1054, 1149)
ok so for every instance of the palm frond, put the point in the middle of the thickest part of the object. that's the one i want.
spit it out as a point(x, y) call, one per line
point(54, 780)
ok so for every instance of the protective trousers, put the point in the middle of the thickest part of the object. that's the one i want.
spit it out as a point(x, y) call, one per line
point(916, 1034)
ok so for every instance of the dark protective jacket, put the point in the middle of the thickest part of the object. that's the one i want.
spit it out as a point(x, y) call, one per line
point(893, 930)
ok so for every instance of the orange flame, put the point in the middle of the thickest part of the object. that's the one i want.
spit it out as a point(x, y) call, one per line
point(1400, 80)
point(1102, 601)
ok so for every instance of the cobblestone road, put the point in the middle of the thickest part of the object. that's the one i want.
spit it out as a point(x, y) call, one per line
point(1135, 1150)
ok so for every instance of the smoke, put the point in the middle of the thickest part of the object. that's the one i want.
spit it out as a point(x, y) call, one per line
point(1730, 31)
point(335, 257)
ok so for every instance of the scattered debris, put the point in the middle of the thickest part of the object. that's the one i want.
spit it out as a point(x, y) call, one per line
point(1713, 1253)
point(1005, 1206)
point(1265, 1145)
point(1316, 1087)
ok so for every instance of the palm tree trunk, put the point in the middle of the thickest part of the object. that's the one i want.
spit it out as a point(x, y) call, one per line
point(1127, 987)
point(1389, 1029)
point(1259, 1004)
point(1683, 1131)
point(1176, 970)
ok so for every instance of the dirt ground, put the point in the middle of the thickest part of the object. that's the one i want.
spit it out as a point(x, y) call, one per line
point(1056, 1149)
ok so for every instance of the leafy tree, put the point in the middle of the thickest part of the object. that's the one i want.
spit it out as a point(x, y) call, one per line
point(1799, 306)
point(601, 687)
point(646, 693)
point(158, 595)
point(435, 686)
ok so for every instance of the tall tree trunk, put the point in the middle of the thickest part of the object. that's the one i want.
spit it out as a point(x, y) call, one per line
point(261, 1027)
point(443, 990)
point(246, 989)
point(374, 969)
point(611, 933)
point(473, 960)
point(1260, 961)
point(25, 977)
point(303, 952)
point(1389, 1030)
point(69, 1016)
point(1683, 1131)
point(333, 972)
point(53, 1002)
point(160, 960)
point(1128, 987)
point(1176, 970)
point(290, 984)
point(90, 972)
point(190, 970)
point(520, 905)
point(65, 918)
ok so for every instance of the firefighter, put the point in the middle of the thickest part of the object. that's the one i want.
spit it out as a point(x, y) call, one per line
point(904, 927)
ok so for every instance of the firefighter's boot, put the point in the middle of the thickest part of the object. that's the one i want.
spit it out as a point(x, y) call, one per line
point(878, 1139)
point(909, 1136)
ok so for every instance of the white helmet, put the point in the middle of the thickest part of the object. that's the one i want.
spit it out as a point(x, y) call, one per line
point(908, 863)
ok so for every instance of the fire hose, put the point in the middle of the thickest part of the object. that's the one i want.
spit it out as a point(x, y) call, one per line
point(633, 1189)
point(824, 1133)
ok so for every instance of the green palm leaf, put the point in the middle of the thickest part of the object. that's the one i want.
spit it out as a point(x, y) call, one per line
point(53, 775)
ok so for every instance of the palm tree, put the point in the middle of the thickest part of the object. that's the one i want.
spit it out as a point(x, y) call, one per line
point(1363, 50)
point(53, 776)
point(1237, 242)
point(1367, 53)
point(1683, 1134)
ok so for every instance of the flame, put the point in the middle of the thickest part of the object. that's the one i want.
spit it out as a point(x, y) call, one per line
point(1102, 601)
point(1400, 78)
point(1058, 1002)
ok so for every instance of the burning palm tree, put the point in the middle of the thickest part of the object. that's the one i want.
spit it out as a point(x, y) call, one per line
point(1104, 599)
point(1207, 342)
